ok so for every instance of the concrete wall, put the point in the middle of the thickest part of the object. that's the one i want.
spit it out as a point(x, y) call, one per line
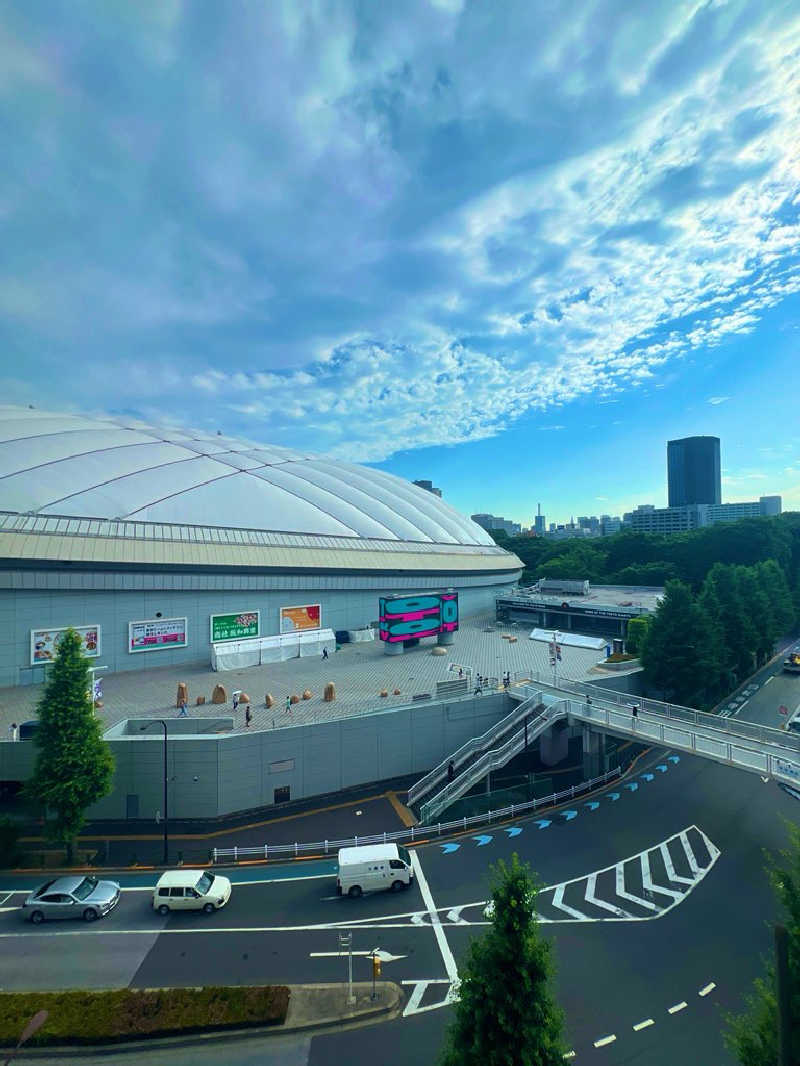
point(40, 600)
point(213, 775)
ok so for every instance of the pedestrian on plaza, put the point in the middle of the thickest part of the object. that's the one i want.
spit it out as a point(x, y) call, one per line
point(451, 771)
point(235, 701)
point(13, 731)
point(324, 653)
point(288, 704)
point(589, 701)
point(248, 717)
point(478, 689)
point(183, 712)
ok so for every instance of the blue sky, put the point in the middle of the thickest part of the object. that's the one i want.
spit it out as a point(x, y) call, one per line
point(513, 248)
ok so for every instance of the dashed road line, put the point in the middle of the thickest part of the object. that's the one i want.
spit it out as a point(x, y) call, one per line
point(605, 1040)
point(677, 1007)
point(708, 988)
point(643, 1025)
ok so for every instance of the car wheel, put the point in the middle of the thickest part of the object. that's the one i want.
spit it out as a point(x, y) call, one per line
point(354, 892)
point(208, 908)
point(37, 917)
point(396, 886)
point(163, 910)
point(90, 915)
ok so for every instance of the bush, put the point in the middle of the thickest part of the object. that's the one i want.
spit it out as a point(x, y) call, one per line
point(10, 851)
point(81, 1016)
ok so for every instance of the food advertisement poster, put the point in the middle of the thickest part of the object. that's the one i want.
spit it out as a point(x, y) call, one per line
point(295, 619)
point(240, 626)
point(44, 642)
point(157, 634)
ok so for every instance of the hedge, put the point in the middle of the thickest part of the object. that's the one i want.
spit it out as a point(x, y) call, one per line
point(81, 1016)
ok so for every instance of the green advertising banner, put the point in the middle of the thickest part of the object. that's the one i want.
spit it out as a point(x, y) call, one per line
point(238, 626)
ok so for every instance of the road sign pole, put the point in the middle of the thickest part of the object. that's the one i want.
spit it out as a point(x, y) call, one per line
point(346, 941)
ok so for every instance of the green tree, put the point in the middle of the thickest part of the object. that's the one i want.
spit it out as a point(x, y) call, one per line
point(680, 655)
point(752, 1036)
point(741, 638)
point(74, 765)
point(506, 1014)
point(773, 583)
point(709, 602)
point(760, 611)
point(636, 634)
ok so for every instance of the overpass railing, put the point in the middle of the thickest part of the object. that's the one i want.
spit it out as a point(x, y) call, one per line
point(472, 747)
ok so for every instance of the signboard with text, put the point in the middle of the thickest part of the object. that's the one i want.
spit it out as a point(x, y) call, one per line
point(44, 642)
point(296, 619)
point(156, 634)
point(410, 617)
point(240, 626)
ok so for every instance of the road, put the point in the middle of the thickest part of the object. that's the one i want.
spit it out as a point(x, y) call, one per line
point(655, 900)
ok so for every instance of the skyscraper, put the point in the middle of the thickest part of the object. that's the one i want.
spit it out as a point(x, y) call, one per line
point(693, 471)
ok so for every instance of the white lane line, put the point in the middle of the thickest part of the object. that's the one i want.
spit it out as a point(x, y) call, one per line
point(438, 931)
point(605, 1040)
point(620, 890)
point(591, 897)
point(568, 1055)
point(647, 880)
point(665, 855)
point(770, 678)
point(5, 899)
point(677, 1007)
point(416, 997)
point(708, 988)
point(454, 915)
point(430, 981)
point(558, 903)
point(643, 1025)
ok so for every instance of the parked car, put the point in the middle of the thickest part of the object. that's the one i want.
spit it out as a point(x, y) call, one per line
point(191, 890)
point(71, 897)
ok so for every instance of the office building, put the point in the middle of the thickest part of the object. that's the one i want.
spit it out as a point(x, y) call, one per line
point(492, 521)
point(693, 471)
point(429, 487)
point(649, 519)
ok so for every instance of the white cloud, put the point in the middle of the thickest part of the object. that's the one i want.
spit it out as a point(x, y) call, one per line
point(716, 400)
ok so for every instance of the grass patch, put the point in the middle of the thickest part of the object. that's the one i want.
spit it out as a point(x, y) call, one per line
point(79, 1016)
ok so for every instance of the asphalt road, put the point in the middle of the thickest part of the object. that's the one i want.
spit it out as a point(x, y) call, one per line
point(682, 944)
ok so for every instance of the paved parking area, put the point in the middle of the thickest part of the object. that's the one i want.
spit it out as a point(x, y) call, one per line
point(359, 672)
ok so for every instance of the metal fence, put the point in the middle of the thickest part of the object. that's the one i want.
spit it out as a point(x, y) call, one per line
point(416, 834)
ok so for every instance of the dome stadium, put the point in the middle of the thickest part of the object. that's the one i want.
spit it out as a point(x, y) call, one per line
point(107, 523)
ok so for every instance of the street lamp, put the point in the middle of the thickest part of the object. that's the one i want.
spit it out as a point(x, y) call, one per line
point(164, 727)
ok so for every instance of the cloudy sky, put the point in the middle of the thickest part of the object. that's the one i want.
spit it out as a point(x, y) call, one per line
point(510, 247)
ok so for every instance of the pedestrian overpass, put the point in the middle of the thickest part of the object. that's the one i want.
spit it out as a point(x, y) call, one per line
point(772, 753)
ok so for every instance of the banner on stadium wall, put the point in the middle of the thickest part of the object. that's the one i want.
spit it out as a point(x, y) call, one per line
point(294, 619)
point(156, 634)
point(239, 626)
point(44, 642)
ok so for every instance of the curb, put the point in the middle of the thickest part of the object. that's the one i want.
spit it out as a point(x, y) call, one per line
point(347, 1020)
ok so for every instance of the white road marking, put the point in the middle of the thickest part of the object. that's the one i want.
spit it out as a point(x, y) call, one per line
point(620, 890)
point(677, 1007)
point(5, 899)
point(558, 903)
point(384, 956)
point(770, 678)
point(454, 915)
point(568, 1055)
point(708, 988)
point(605, 1040)
point(430, 981)
point(447, 956)
point(591, 897)
point(665, 855)
point(647, 881)
point(643, 1025)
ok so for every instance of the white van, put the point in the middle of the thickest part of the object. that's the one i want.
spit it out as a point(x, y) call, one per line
point(190, 890)
point(376, 866)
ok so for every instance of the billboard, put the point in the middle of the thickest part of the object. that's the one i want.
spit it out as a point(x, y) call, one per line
point(409, 617)
point(239, 626)
point(44, 642)
point(294, 619)
point(156, 634)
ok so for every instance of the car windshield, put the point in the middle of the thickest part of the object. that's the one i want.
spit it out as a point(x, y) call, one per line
point(204, 883)
point(85, 888)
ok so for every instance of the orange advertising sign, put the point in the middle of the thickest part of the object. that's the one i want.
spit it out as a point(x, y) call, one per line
point(296, 619)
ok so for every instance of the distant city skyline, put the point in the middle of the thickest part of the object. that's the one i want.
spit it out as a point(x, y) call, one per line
point(508, 250)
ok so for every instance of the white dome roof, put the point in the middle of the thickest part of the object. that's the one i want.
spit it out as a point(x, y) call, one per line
point(62, 464)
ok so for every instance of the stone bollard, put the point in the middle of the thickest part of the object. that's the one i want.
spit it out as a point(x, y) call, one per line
point(219, 695)
point(396, 692)
point(199, 701)
point(183, 693)
point(306, 694)
point(330, 692)
point(243, 697)
point(269, 700)
point(384, 692)
point(294, 698)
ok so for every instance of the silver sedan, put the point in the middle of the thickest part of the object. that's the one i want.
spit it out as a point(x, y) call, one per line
point(71, 897)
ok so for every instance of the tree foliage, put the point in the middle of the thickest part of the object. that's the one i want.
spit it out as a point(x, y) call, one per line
point(636, 634)
point(506, 1014)
point(752, 1036)
point(74, 765)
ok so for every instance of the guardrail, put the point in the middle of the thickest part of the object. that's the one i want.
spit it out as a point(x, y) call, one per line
point(416, 834)
point(470, 748)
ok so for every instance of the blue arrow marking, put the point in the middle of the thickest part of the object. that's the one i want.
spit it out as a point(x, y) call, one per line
point(613, 796)
point(514, 831)
point(592, 805)
point(631, 785)
point(674, 758)
point(542, 823)
point(483, 839)
point(661, 767)
point(647, 777)
point(448, 849)
point(569, 815)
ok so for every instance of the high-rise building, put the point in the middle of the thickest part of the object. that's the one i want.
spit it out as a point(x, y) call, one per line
point(429, 487)
point(539, 525)
point(693, 471)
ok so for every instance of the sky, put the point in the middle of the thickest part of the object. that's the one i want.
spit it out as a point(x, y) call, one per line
point(512, 248)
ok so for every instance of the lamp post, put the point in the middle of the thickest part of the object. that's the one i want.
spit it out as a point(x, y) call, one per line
point(165, 811)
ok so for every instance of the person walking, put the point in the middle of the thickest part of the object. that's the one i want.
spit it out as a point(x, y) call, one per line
point(324, 653)
point(183, 713)
point(635, 711)
point(13, 731)
point(248, 717)
point(451, 771)
point(288, 704)
point(460, 672)
point(235, 701)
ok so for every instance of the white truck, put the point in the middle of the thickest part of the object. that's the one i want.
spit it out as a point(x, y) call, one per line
point(373, 867)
